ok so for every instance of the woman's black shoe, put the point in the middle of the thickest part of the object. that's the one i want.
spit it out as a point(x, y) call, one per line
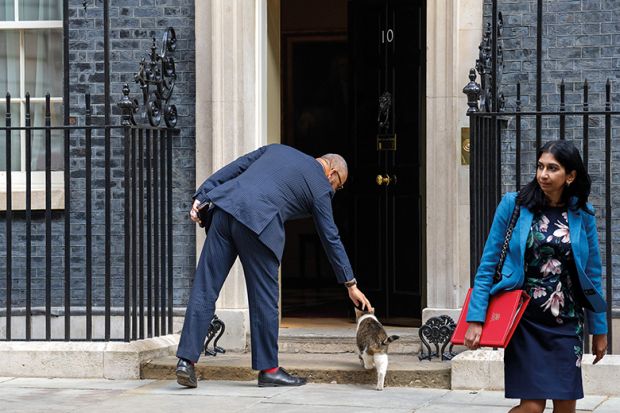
point(279, 378)
point(186, 376)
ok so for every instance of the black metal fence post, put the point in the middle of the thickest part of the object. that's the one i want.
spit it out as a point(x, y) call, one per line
point(128, 212)
point(472, 90)
point(9, 218)
point(169, 228)
point(156, 244)
point(28, 220)
point(88, 219)
point(518, 138)
point(608, 246)
point(48, 220)
point(586, 121)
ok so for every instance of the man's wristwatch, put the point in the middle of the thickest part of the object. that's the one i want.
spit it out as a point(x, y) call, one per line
point(350, 283)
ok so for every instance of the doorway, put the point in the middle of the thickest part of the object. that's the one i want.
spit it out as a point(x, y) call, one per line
point(353, 83)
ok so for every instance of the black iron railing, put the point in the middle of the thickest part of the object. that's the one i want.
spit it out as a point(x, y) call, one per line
point(115, 253)
point(140, 160)
point(486, 134)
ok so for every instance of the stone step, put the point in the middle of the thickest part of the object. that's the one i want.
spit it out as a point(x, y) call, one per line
point(341, 339)
point(403, 370)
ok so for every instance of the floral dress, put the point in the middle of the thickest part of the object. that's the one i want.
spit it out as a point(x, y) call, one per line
point(543, 359)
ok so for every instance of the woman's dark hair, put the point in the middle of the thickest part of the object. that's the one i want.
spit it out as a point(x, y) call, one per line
point(532, 196)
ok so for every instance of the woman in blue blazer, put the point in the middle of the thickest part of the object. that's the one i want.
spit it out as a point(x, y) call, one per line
point(554, 255)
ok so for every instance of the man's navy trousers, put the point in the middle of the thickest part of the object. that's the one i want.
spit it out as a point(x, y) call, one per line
point(227, 238)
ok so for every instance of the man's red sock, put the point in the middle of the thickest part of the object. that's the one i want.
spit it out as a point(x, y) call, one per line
point(273, 370)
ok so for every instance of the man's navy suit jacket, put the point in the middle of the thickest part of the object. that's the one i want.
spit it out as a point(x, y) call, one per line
point(271, 185)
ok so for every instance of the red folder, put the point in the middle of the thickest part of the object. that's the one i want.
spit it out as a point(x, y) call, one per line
point(503, 315)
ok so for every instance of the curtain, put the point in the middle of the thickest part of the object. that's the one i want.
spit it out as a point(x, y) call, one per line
point(44, 74)
point(40, 9)
point(7, 11)
point(44, 71)
point(9, 82)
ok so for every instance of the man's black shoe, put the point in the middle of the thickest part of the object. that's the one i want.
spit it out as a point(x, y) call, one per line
point(186, 376)
point(279, 378)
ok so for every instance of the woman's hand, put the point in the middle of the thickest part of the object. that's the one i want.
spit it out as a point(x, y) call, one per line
point(599, 347)
point(472, 336)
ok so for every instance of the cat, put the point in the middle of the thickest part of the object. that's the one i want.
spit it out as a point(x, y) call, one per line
point(372, 343)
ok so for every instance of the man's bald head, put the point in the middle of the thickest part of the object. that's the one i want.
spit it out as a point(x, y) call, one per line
point(337, 163)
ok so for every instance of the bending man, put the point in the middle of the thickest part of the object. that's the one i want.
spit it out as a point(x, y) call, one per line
point(243, 207)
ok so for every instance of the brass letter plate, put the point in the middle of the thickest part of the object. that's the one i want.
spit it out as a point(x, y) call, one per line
point(386, 142)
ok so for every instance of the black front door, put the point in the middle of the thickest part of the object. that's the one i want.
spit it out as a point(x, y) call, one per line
point(386, 43)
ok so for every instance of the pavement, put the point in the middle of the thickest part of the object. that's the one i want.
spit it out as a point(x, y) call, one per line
point(34, 395)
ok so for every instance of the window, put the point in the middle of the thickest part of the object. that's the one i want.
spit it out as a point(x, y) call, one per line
point(31, 60)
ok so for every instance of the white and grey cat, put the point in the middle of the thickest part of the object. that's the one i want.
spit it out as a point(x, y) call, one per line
point(372, 343)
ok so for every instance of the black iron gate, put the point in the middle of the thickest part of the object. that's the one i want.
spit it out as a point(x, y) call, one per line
point(497, 144)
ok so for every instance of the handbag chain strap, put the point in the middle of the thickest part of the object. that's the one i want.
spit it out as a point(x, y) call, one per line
point(502, 256)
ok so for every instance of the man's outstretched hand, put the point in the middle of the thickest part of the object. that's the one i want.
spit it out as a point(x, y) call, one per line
point(359, 299)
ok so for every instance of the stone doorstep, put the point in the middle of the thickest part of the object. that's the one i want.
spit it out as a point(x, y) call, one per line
point(403, 371)
point(341, 340)
point(484, 370)
point(79, 359)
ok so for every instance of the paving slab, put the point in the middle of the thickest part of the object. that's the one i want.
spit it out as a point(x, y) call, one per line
point(482, 397)
point(611, 405)
point(154, 403)
point(588, 403)
point(212, 388)
point(451, 408)
point(496, 398)
point(312, 408)
point(359, 396)
point(33, 400)
point(83, 384)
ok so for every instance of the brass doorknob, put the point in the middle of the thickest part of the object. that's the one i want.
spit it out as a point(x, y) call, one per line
point(383, 180)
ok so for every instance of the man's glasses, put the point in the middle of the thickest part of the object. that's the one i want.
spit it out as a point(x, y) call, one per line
point(340, 184)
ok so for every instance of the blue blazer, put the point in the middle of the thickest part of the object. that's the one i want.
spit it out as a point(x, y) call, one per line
point(271, 185)
point(585, 248)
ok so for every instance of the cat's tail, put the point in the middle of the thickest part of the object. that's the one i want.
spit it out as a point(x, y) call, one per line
point(389, 339)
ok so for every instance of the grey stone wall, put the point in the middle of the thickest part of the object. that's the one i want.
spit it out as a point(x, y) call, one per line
point(581, 41)
point(133, 24)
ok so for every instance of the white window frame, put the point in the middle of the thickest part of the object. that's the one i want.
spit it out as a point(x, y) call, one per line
point(18, 178)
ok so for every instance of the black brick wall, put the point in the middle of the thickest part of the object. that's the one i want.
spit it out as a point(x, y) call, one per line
point(133, 23)
point(581, 40)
